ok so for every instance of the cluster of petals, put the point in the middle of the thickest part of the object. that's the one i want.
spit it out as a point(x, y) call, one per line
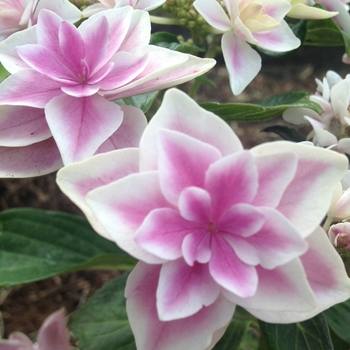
point(16, 15)
point(329, 128)
point(302, 9)
point(339, 235)
point(213, 225)
point(145, 5)
point(66, 96)
point(52, 335)
point(244, 22)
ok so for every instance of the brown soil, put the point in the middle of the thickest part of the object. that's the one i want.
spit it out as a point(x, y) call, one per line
point(25, 307)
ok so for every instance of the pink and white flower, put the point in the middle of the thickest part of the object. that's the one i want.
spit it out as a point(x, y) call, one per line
point(111, 60)
point(302, 9)
point(339, 235)
point(145, 5)
point(52, 335)
point(16, 15)
point(214, 225)
point(258, 23)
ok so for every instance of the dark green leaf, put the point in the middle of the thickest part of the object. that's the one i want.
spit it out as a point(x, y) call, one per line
point(170, 41)
point(143, 102)
point(323, 32)
point(308, 335)
point(262, 111)
point(3, 73)
point(102, 323)
point(36, 244)
point(234, 335)
point(338, 318)
point(286, 133)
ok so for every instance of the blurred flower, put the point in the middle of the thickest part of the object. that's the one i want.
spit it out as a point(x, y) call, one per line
point(52, 335)
point(111, 60)
point(214, 226)
point(248, 22)
point(16, 15)
point(339, 235)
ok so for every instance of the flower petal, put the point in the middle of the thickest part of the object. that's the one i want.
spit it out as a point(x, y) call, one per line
point(78, 179)
point(34, 160)
point(81, 125)
point(242, 62)
point(119, 215)
point(196, 332)
point(176, 113)
point(22, 126)
point(182, 162)
point(308, 196)
point(183, 290)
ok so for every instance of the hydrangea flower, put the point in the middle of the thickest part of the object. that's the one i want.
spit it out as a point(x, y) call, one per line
point(52, 335)
point(214, 226)
point(111, 60)
point(248, 22)
point(16, 15)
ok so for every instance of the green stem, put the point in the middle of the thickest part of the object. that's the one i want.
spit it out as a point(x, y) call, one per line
point(164, 20)
point(327, 224)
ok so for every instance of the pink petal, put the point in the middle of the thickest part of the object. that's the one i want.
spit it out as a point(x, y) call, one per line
point(276, 9)
point(166, 68)
point(176, 113)
point(275, 174)
point(308, 196)
point(277, 243)
point(63, 8)
point(28, 88)
point(34, 160)
point(81, 125)
point(129, 133)
point(194, 205)
point(47, 62)
point(78, 179)
point(195, 332)
point(22, 126)
point(8, 53)
point(162, 233)
point(241, 219)
point(280, 291)
point(231, 180)
point(230, 272)
point(114, 207)
point(242, 62)
point(213, 13)
point(183, 290)
point(53, 334)
point(280, 39)
point(182, 162)
point(126, 68)
point(343, 15)
point(196, 246)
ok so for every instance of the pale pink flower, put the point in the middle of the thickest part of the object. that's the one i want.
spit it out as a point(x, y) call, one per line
point(339, 235)
point(52, 335)
point(145, 5)
point(248, 22)
point(214, 226)
point(16, 15)
point(111, 60)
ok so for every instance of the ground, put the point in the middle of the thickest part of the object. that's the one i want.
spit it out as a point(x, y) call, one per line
point(25, 307)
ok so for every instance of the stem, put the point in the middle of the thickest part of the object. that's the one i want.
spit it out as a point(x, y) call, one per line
point(164, 20)
point(327, 224)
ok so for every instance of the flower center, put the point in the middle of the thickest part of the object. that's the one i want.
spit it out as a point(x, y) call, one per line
point(212, 228)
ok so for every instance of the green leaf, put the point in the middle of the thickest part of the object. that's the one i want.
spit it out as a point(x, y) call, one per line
point(171, 42)
point(286, 133)
point(262, 111)
point(143, 102)
point(234, 335)
point(323, 32)
point(36, 244)
point(338, 318)
point(308, 335)
point(102, 323)
point(3, 73)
